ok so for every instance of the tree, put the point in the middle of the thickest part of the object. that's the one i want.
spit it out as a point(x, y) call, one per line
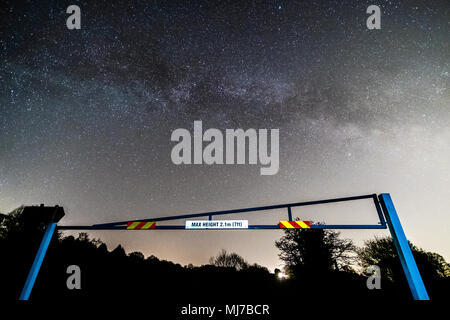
point(314, 251)
point(382, 252)
point(119, 252)
point(230, 260)
point(136, 255)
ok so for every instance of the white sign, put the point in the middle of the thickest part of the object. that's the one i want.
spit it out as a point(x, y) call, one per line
point(217, 224)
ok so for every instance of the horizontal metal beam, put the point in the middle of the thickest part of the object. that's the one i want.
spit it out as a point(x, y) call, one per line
point(272, 207)
point(253, 227)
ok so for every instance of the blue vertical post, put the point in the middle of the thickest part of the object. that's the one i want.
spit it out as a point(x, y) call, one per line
point(26, 291)
point(404, 251)
point(289, 214)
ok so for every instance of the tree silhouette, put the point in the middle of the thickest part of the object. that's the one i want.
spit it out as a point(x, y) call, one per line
point(434, 270)
point(314, 251)
point(229, 260)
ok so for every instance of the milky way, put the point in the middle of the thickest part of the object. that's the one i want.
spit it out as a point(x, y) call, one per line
point(86, 115)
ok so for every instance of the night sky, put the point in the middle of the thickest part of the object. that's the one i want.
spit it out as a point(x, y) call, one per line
point(86, 115)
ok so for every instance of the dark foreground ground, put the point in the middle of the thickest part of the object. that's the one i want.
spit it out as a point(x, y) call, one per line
point(113, 275)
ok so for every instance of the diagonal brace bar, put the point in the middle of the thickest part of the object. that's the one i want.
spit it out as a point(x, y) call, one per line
point(272, 207)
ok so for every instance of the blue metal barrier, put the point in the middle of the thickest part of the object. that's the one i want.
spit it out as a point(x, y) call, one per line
point(121, 225)
point(387, 207)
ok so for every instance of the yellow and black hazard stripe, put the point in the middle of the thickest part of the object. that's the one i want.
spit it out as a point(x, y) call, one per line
point(141, 225)
point(295, 224)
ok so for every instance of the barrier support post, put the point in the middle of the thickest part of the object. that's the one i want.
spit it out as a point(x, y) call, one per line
point(403, 249)
point(51, 216)
point(26, 291)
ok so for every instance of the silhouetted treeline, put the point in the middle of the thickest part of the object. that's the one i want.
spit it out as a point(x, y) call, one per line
point(320, 265)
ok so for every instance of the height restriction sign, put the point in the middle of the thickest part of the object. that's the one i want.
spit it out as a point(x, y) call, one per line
point(217, 224)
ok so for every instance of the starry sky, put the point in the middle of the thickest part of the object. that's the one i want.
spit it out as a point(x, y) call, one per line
point(86, 115)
